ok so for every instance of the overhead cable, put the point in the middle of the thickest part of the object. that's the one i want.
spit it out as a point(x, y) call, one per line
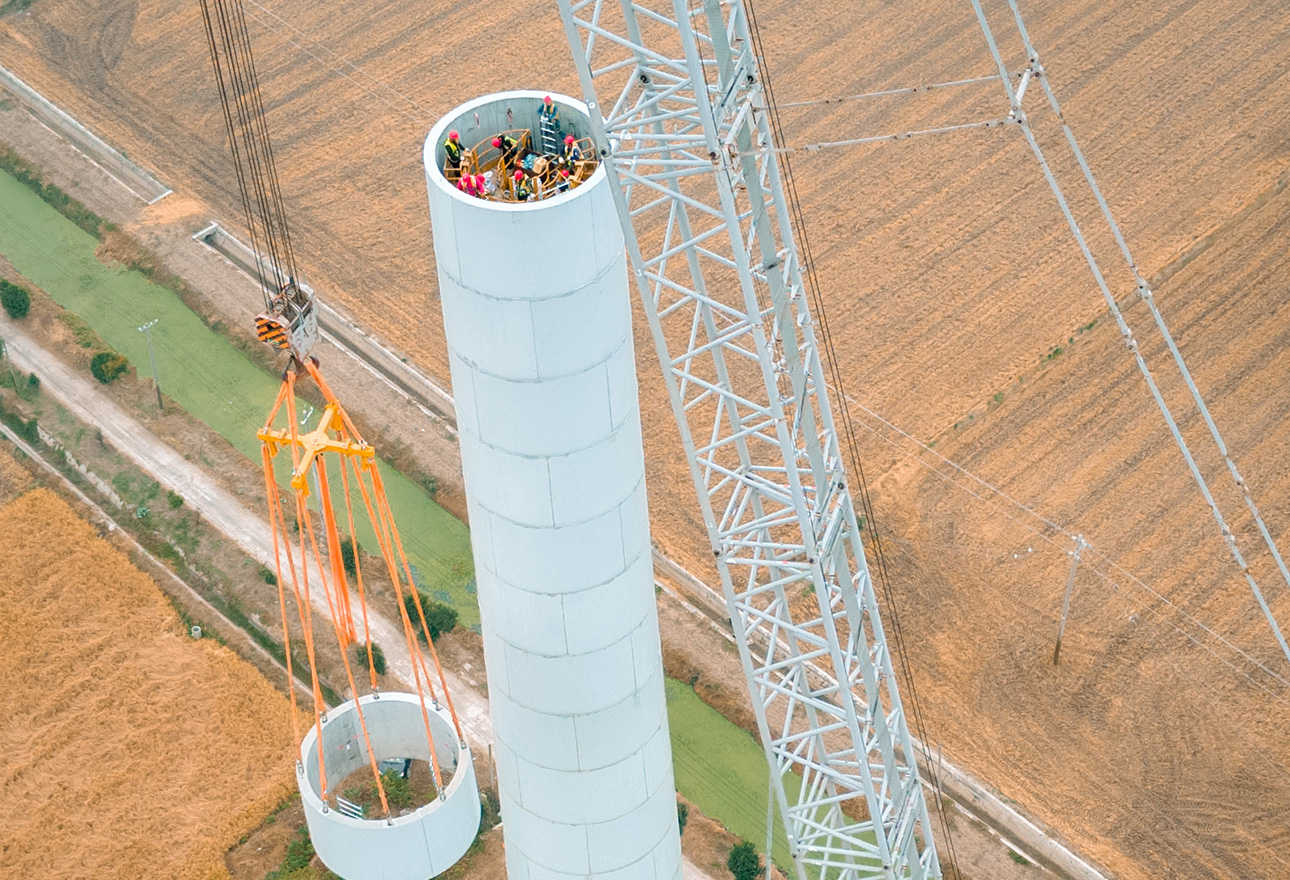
point(1129, 339)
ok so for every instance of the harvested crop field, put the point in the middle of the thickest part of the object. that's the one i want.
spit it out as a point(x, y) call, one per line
point(1156, 748)
point(131, 750)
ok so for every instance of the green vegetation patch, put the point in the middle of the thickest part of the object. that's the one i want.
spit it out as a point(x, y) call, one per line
point(83, 333)
point(15, 298)
point(721, 769)
point(201, 370)
point(108, 366)
point(23, 173)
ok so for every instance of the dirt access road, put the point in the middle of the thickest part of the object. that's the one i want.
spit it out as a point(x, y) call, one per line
point(78, 394)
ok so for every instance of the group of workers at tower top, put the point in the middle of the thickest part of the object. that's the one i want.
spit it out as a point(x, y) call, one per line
point(520, 172)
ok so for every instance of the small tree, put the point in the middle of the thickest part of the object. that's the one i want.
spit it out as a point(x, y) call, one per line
point(174, 500)
point(378, 656)
point(267, 575)
point(348, 557)
point(398, 793)
point(744, 862)
point(682, 815)
point(107, 366)
point(15, 298)
point(440, 618)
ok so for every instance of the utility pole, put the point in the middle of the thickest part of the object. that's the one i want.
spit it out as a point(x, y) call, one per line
point(1080, 546)
point(146, 330)
point(4, 353)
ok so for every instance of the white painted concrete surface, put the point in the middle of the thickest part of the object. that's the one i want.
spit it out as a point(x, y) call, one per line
point(417, 846)
point(538, 320)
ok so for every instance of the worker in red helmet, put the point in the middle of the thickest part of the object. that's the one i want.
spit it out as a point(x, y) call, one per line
point(452, 153)
point(571, 152)
point(522, 191)
point(549, 114)
point(563, 181)
point(481, 186)
point(510, 148)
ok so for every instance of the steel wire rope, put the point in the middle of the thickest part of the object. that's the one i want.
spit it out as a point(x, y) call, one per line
point(246, 134)
point(1130, 341)
point(359, 70)
point(260, 135)
point(905, 90)
point(1148, 296)
point(1134, 610)
point(762, 305)
point(807, 264)
point(278, 214)
point(1057, 527)
point(231, 128)
point(249, 140)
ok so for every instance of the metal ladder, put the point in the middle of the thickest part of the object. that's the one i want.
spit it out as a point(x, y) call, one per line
point(549, 134)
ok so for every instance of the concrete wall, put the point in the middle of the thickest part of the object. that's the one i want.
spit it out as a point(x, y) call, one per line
point(417, 846)
point(538, 319)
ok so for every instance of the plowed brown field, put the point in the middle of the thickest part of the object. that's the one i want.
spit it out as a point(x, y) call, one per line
point(949, 276)
point(129, 749)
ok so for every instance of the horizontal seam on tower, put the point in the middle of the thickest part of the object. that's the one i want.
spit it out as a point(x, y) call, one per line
point(565, 294)
point(533, 456)
point(574, 716)
point(624, 342)
point(628, 812)
point(522, 650)
point(653, 733)
point(594, 586)
point(564, 525)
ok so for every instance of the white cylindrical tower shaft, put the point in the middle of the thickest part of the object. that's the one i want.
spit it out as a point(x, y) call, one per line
point(538, 320)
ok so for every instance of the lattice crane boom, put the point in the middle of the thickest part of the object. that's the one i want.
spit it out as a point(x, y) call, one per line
point(684, 132)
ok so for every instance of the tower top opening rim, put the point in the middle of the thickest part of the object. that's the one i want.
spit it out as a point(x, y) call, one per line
point(439, 718)
point(432, 154)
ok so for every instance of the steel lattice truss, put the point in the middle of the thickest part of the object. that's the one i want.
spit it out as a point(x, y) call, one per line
point(687, 144)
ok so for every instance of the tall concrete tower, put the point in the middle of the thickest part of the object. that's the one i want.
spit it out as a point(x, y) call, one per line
point(538, 320)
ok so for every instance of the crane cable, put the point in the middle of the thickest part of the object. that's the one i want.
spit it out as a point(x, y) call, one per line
point(807, 264)
point(228, 39)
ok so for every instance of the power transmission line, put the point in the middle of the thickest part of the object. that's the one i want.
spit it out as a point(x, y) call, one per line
point(1036, 71)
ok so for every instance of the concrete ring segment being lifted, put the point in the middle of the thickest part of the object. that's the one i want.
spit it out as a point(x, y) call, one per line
point(417, 846)
point(537, 315)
